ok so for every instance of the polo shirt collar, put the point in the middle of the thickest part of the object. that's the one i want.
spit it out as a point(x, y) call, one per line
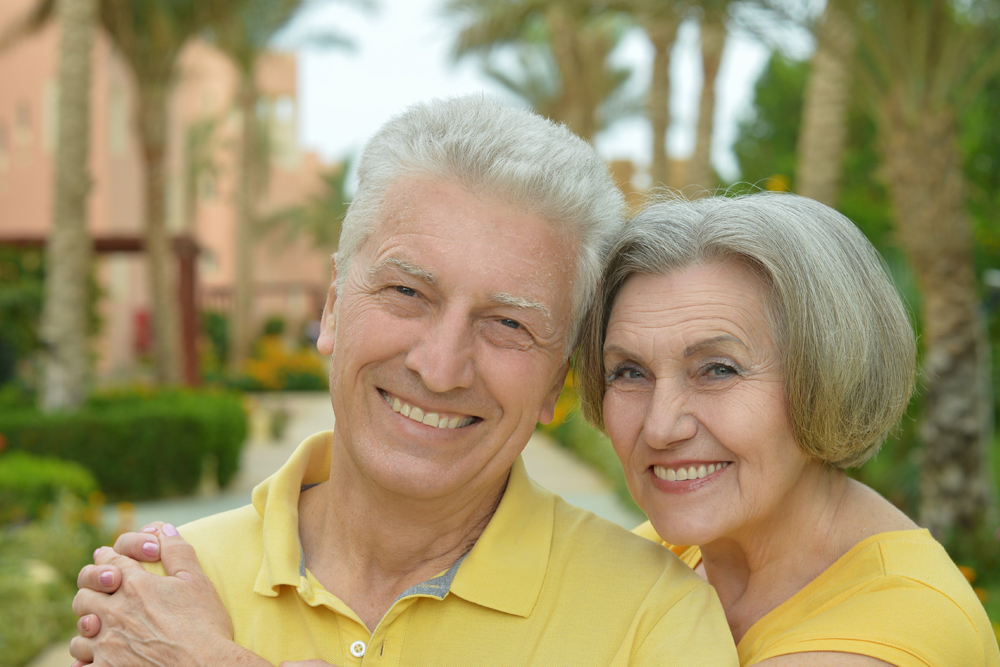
point(503, 571)
point(506, 568)
point(276, 500)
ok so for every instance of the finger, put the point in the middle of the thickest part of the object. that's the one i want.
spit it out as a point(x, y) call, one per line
point(179, 559)
point(88, 626)
point(140, 546)
point(79, 663)
point(305, 663)
point(100, 578)
point(108, 556)
point(82, 649)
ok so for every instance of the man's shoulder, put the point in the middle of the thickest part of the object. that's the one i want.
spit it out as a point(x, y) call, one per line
point(584, 542)
point(218, 537)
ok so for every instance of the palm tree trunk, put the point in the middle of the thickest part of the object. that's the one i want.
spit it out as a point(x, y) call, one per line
point(153, 97)
point(64, 315)
point(242, 318)
point(661, 33)
point(823, 136)
point(576, 108)
point(923, 169)
point(713, 39)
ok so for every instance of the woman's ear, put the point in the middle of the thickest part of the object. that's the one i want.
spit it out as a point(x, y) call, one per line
point(328, 322)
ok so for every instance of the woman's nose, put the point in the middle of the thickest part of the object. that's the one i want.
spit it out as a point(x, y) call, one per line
point(669, 420)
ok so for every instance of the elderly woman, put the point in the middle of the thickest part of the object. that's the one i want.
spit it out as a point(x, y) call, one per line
point(743, 354)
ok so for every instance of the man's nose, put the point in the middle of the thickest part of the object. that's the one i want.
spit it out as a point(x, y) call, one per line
point(443, 355)
point(669, 420)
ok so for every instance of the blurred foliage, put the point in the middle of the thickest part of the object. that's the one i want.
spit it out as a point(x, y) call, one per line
point(22, 289)
point(39, 563)
point(570, 430)
point(29, 485)
point(276, 366)
point(138, 443)
point(22, 281)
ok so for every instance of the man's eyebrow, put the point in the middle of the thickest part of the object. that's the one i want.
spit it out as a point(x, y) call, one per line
point(708, 342)
point(405, 267)
point(521, 302)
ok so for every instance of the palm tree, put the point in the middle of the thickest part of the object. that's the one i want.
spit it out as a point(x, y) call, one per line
point(244, 36)
point(563, 47)
point(923, 62)
point(713, 39)
point(150, 34)
point(823, 135)
point(64, 315)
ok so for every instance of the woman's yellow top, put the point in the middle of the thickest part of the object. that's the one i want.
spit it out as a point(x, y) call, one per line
point(894, 596)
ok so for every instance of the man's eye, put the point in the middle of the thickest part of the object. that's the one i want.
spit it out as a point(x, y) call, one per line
point(625, 373)
point(406, 291)
point(511, 324)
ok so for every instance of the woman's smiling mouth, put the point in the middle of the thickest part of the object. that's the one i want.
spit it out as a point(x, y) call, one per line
point(689, 472)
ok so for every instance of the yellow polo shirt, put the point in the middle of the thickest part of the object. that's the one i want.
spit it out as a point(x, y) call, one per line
point(546, 584)
point(894, 596)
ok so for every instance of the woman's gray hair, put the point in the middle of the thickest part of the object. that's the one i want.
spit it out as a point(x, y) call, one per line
point(848, 350)
point(487, 147)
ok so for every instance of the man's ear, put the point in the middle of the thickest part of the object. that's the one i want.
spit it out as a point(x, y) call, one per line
point(548, 411)
point(328, 322)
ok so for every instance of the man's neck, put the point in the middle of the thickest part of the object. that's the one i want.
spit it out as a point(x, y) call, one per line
point(367, 546)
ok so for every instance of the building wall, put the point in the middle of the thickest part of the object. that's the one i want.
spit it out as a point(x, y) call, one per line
point(203, 94)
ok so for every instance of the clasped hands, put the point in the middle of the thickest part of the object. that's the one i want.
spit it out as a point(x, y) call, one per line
point(130, 617)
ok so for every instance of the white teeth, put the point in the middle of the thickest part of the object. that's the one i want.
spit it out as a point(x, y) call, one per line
point(689, 473)
point(432, 419)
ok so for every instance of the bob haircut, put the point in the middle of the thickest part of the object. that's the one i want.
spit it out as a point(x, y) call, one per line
point(510, 153)
point(847, 348)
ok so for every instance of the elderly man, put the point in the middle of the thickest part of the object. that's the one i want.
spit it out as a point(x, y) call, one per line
point(411, 534)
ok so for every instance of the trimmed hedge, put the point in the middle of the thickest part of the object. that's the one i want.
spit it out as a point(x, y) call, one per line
point(138, 446)
point(29, 484)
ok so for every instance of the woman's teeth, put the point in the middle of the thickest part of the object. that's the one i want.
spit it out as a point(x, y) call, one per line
point(690, 472)
point(430, 419)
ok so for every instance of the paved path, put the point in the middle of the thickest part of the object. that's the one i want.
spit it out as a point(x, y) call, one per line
point(547, 463)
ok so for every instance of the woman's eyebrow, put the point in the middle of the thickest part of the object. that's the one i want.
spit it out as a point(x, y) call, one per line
point(709, 342)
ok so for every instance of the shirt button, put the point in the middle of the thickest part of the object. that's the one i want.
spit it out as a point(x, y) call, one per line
point(358, 649)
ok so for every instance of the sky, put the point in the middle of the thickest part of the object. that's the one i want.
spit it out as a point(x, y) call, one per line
point(401, 55)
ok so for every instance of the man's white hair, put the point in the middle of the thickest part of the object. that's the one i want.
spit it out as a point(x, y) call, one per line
point(508, 153)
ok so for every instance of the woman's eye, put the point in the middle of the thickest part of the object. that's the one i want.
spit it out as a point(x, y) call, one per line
point(626, 373)
point(721, 371)
point(406, 291)
point(510, 324)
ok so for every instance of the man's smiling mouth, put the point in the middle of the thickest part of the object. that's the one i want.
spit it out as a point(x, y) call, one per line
point(433, 419)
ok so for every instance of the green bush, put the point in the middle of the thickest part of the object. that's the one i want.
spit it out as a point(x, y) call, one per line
point(39, 562)
point(28, 485)
point(138, 445)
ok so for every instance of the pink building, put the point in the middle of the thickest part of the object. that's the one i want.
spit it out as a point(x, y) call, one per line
point(290, 278)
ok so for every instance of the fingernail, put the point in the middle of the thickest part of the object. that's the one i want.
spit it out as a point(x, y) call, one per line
point(150, 548)
point(169, 530)
point(85, 622)
point(96, 552)
point(107, 578)
point(148, 529)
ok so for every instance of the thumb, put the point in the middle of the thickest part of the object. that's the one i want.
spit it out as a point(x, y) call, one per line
point(177, 556)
